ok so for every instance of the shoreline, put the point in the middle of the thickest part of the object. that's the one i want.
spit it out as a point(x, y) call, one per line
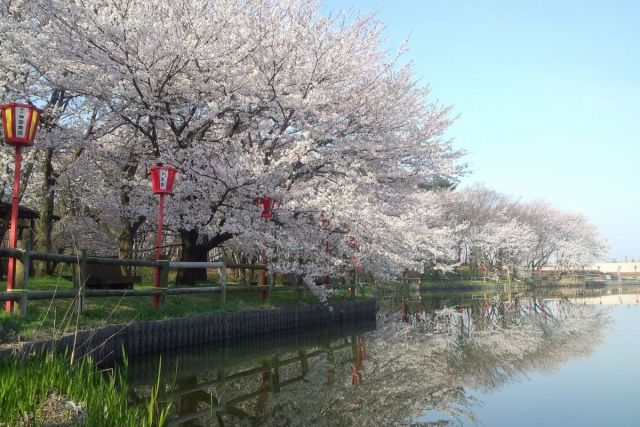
point(107, 344)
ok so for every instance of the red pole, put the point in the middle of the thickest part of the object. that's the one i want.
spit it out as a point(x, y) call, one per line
point(13, 236)
point(267, 205)
point(156, 280)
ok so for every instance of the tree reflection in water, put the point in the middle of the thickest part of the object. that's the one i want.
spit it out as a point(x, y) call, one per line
point(415, 362)
point(482, 346)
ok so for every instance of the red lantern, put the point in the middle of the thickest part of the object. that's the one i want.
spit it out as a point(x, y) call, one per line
point(162, 178)
point(20, 123)
point(267, 206)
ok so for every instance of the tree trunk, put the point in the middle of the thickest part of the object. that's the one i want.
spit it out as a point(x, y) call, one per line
point(192, 251)
point(45, 223)
point(129, 229)
point(49, 181)
point(125, 245)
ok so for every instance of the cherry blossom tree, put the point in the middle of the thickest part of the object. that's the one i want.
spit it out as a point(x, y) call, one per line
point(566, 236)
point(500, 234)
point(68, 121)
point(259, 99)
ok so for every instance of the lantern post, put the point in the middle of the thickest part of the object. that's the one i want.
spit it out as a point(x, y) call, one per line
point(352, 241)
point(20, 124)
point(267, 207)
point(162, 178)
point(325, 225)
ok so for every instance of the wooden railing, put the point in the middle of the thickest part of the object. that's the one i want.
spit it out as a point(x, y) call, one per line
point(22, 295)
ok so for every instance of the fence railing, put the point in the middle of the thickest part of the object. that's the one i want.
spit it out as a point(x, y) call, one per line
point(21, 295)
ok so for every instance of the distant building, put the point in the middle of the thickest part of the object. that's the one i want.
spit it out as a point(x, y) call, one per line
point(624, 269)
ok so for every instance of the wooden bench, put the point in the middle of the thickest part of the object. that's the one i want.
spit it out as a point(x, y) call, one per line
point(102, 276)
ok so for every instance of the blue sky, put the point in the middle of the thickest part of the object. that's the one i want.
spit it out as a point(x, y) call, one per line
point(547, 94)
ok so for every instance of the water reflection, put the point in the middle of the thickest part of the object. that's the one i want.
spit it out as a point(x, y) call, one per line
point(420, 363)
point(481, 345)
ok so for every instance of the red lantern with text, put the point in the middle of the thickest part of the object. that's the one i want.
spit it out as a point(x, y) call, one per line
point(162, 178)
point(20, 124)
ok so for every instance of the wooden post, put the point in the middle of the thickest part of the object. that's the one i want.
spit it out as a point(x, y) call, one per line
point(223, 283)
point(22, 273)
point(80, 280)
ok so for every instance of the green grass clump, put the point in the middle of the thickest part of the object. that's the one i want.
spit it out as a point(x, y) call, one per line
point(9, 327)
point(36, 391)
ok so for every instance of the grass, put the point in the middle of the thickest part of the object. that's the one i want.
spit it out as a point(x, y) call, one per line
point(53, 318)
point(37, 391)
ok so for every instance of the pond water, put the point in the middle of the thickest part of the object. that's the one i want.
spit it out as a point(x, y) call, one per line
point(494, 360)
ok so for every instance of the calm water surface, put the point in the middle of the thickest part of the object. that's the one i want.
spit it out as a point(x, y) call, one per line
point(493, 360)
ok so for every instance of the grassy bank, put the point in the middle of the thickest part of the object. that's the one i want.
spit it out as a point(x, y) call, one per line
point(49, 390)
point(53, 318)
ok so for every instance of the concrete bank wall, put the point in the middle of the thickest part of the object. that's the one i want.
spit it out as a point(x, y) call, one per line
point(106, 344)
point(143, 369)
